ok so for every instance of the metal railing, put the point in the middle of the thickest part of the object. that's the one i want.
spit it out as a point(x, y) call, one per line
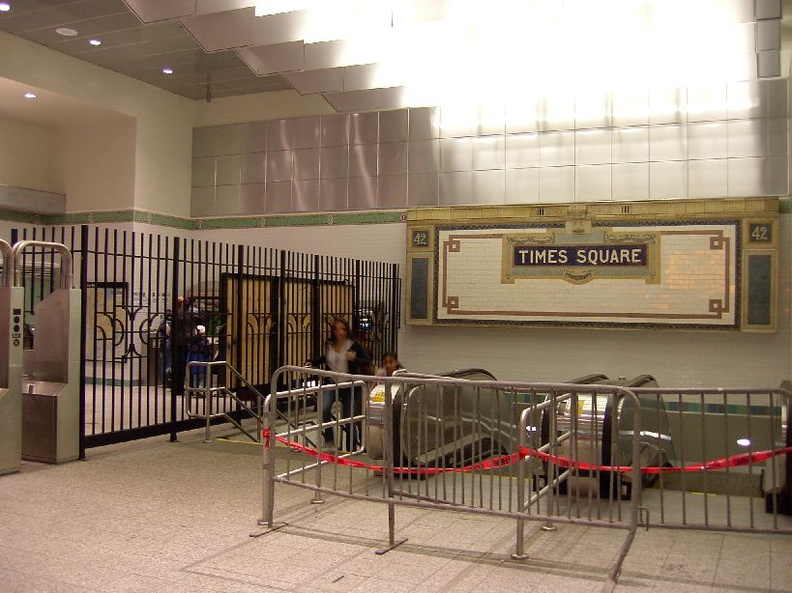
point(448, 443)
point(215, 398)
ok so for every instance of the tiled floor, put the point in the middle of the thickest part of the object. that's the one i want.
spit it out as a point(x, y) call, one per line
point(179, 517)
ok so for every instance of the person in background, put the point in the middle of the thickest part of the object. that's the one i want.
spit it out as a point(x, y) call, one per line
point(163, 335)
point(389, 365)
point(183, 330)
point(342, 354)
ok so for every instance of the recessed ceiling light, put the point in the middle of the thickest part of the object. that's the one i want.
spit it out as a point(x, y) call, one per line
point(167, 70)
point(95, 42)
point(30, 95)
point(5, 7)
point(66, 32)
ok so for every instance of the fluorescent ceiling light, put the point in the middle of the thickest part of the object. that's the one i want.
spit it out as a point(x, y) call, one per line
point(5, 7)
point(30, 95)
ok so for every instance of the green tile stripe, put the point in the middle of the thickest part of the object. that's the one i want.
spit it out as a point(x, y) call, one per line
point(784, 206)
point(232, 222)
point(730, 409)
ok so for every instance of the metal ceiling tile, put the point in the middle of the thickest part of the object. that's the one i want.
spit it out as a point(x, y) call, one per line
point(149, 11)
point(271, 59)
point(317, 81)
point(241, 28)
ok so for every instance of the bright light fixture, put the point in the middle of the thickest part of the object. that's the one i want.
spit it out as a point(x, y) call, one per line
point(744, 442)
point(30, 95)
point(95, 42)
point(167, 70)
point(5, 6)
point(448, 50)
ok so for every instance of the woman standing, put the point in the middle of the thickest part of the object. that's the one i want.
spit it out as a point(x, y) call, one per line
point(342, 354)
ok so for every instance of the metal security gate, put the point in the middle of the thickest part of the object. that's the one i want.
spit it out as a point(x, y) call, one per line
point(258, 308)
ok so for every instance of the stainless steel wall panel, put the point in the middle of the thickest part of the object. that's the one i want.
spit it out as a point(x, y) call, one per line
point(556, 184)
point(593, 110)
point(280, 135)
point(229, 170)
point(278, 197)
point(423, 190)
point(254, 168)
point(630, 181)
point(745, 176)
point(557, 112)
point(257, 136)
point(707, 178)
point(203, 144)
point(392, 191)
point(305, 195)
point(667, 106)
point(456, 188)
point(333, 194)
point(521, 116)
point(630, 145)
point(202, 201)
point(491, 119)
point(630, 108)
point(667, 180)
point(362, 193)
point(306, 164)
point(458, 121)
point(279, 165)
point(306, 132)
point(232, 139)
point(393, 126)
point(363, 160)
point(777, 134)
point(668, 143)
point(746, 138)
point(768, 34)
point(334, 162)
point(423, 123)
point(489, 152)
point(423, 156)
point(228, 200)
point(593, 183)
point(456, 154)
point(392, 158)
point(593, 146)
point(708, 140)
point(556, 149)
point(707, 102)
point(522, 186)
point(744, 99)
point(364, 128)
point(774, 97)
point(335, 130)
point(489, 187)
point(522, 150)
point(776, 179)
point(203, 172)
point(252, 198)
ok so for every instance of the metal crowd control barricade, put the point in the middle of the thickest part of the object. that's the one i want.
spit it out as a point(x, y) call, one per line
point(470, 446)
point(729, 465)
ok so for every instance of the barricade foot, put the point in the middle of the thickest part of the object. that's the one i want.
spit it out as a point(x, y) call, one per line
point(382, 551)
point(275, 527)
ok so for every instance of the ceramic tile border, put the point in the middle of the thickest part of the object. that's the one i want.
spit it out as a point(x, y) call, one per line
point(237, 222)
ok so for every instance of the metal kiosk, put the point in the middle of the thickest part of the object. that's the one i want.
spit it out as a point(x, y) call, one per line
point(11, 326)
point(51, 387)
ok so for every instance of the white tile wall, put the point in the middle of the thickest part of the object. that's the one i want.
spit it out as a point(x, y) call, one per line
point(710, 140)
